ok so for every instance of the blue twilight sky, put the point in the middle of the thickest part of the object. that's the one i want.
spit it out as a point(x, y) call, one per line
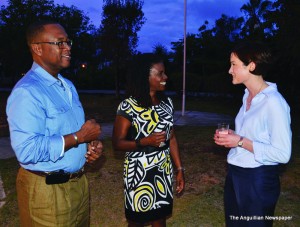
point(165, 18)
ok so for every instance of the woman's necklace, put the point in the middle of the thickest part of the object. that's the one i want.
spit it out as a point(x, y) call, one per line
point(249, 99)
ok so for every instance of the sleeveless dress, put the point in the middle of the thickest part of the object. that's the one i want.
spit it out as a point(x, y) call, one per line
point(148, 172)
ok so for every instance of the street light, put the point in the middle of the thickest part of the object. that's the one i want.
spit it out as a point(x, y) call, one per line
point(184, 61)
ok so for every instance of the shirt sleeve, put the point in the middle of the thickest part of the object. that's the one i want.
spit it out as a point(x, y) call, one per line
point(26, 116)
point(171, 104)
point(125, 110)
point(278, 150)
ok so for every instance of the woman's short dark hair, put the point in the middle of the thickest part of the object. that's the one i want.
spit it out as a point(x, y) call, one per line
point(255, 52)
point(137, 81)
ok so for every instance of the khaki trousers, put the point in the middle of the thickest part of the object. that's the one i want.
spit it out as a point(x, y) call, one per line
point(52, 205)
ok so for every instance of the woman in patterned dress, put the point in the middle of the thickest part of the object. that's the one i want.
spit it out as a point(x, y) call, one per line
point(144, 130)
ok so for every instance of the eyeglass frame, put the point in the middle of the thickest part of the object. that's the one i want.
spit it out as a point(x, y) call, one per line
point(60, 44)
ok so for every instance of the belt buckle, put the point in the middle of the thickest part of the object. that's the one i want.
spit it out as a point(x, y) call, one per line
point(73, 175)
point(77, 174)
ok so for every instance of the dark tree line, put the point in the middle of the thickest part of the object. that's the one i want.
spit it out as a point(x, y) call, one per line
point(99, 55)
point(275, 23)
point(105, 51)
point(118, 35)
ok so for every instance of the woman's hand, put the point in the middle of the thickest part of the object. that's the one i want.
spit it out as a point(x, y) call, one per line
point(180, 181)
point(227, 140)
point(155, 139)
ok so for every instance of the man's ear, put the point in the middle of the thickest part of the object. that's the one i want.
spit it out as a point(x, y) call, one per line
point(36, 48)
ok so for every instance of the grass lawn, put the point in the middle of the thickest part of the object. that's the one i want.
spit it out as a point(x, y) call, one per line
point(205, 163)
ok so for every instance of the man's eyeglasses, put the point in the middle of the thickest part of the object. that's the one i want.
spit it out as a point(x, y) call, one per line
point(60, 44)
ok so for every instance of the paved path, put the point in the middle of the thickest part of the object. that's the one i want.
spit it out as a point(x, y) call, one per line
point(192, 118)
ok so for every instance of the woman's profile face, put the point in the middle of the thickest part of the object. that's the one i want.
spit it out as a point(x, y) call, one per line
point(157, 77)
point(238, 70)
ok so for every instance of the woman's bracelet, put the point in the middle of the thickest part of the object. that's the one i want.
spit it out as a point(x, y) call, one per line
point(76, 138)
point(180, 169)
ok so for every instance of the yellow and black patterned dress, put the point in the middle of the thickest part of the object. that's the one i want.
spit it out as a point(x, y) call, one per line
point(148, 172)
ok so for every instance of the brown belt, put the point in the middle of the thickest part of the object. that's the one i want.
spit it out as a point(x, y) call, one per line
point(77, 174)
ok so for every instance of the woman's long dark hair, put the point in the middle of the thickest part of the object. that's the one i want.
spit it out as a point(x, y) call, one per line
point(137, 82)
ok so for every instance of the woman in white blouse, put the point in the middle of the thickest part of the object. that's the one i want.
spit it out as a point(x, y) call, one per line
point(261, 141)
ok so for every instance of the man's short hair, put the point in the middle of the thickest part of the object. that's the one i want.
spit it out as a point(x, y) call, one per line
point(35, 29)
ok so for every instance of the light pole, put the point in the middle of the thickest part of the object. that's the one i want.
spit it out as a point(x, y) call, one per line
point(184, 61)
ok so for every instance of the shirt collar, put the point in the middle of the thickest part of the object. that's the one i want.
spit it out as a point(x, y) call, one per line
point(272, 87)
point(46, 77)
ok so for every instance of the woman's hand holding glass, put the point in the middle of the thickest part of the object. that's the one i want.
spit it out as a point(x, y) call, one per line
point(156, 139)
point(227, 140)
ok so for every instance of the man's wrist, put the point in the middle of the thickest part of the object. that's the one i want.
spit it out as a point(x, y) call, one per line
point(76, 139)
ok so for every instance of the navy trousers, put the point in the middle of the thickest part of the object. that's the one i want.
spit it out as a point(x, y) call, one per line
point(250, 196)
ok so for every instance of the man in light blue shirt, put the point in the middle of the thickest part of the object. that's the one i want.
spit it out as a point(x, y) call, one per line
point(49, 134)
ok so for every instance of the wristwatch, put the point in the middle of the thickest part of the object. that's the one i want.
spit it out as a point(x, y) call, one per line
point(241, 142)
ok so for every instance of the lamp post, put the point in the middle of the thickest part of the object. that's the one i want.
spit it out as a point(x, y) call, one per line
point(184, 61)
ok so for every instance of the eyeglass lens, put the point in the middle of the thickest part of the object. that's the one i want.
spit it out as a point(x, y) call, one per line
point(63, 44)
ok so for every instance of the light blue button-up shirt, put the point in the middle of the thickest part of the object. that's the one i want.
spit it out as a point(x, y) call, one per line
point(41, 109)
point(268, 124)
